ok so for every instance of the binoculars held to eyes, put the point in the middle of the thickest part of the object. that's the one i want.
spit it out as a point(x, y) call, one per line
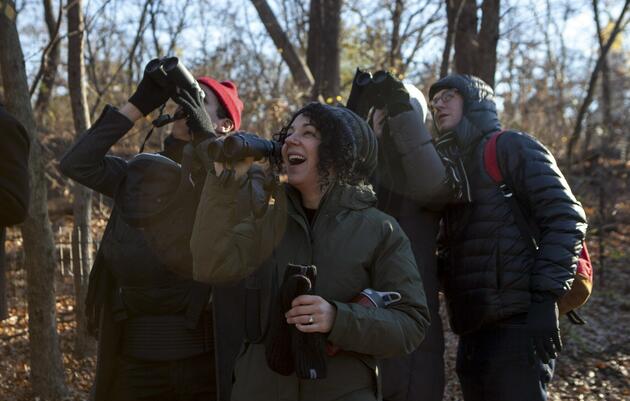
point(170, 73)
point(242, 145)
point(370, 91)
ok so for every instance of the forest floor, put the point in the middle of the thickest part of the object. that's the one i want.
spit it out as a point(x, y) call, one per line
point(595, 364)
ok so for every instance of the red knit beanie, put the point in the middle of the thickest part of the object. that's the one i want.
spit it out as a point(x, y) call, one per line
point(228, 96)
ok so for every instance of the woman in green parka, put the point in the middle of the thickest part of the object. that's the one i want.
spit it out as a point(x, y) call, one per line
point(325, 216)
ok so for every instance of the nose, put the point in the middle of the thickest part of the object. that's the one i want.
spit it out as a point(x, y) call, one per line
point(292, 140)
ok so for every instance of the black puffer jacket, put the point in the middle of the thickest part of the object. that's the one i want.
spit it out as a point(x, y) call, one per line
point(490, 273)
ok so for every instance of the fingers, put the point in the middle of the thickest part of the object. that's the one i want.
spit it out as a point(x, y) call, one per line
point(306, 300)
point(185, 99)
point(303, 310)
point(312, 328)
point(186, 105)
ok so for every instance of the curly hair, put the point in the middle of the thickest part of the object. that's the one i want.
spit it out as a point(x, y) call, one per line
point(337, 149)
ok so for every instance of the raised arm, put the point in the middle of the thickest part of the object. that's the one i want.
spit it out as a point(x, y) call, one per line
point(87, 161)
point(227, 241)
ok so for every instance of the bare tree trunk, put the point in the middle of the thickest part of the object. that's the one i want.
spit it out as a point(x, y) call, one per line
point(299, 71)
point(453, 7)
point(47, 374)
point(466, 45)
point(3, 279)
point(50, 64)
point(132, 53)
point(575, 136)
point(323, 48)
point(475, 51)
point(488, 38)
point(82, 210)
point(608, 141)
point(395, 56)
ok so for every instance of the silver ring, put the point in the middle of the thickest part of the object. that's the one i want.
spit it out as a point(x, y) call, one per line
point(310, 319)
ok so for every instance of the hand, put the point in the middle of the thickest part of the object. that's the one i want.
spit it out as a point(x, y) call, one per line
point(197, 119)
point(149, 95)
point(542, 323)
point(240, 168)
point(379, 117)
point(311, 314)
point(398, 100)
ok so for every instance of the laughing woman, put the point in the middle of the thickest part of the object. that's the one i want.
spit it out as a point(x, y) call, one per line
point(307, 338)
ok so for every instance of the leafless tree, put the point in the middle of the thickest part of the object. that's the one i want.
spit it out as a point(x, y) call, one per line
point(577, 130)
point(82, 210)
point(47, 375)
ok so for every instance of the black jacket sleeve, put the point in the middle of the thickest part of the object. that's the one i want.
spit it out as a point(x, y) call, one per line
point(545, 196)
point(14, 189)
point(87, 161)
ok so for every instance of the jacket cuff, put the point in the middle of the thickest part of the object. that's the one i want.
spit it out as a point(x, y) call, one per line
point(542, 297)
point(111, 113)
point(341, 325)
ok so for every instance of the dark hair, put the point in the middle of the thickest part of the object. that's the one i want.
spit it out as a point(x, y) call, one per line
point(336, 150)
point(222, 112)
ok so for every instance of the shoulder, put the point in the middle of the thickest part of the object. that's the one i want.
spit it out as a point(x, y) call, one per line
point(517, 148)
point(12, 130)
point(381, 223)
point(512, 140)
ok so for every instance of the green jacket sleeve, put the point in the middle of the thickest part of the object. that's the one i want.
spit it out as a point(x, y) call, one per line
point(227, 244)
point(399, 328)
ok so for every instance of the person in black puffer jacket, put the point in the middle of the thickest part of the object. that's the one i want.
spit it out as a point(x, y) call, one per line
point(501, 296)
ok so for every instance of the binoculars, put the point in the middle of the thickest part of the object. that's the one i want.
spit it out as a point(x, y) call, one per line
point(298, 280)
point(170, 73)
point(242, 145)
point(369, 91)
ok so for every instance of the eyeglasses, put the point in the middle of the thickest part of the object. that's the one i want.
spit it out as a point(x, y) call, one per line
point(445, 97)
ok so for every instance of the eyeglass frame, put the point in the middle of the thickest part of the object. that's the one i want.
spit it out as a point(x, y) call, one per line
point(433, 102)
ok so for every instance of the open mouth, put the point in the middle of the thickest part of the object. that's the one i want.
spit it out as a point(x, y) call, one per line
point(295, 160)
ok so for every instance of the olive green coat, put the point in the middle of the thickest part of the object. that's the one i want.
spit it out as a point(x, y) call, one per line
point(354, 247)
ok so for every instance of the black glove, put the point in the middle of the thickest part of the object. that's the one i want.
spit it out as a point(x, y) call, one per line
point(397, 96)
point(149, 95)
point(542, 324)
point(197, 118)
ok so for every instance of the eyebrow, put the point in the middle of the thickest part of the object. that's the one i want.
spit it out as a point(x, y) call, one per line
point(308, 124)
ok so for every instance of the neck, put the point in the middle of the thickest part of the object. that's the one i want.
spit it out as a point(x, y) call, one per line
point(312, 197)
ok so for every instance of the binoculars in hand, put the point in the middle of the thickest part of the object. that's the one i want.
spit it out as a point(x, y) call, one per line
point(369, 91)
point(169, 73)
point(242, 145)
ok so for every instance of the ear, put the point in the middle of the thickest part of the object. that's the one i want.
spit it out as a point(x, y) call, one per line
point(225, 125)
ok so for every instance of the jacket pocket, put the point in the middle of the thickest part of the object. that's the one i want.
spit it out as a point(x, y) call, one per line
point(375, 368)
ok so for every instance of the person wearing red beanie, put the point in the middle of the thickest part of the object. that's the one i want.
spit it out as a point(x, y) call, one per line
point(227, 95)
point(156, 330)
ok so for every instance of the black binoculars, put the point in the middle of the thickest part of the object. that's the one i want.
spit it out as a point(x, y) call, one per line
point(242, 145)
point(298, 280)
point(169, 73)
point(369, 91)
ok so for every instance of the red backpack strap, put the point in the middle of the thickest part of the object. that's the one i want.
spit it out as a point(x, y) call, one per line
point(490, 161)
point(584, 266)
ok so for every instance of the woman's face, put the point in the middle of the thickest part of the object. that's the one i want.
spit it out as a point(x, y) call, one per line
point(300, 154)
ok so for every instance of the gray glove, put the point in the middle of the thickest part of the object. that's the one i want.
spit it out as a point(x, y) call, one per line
point(197, 117)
